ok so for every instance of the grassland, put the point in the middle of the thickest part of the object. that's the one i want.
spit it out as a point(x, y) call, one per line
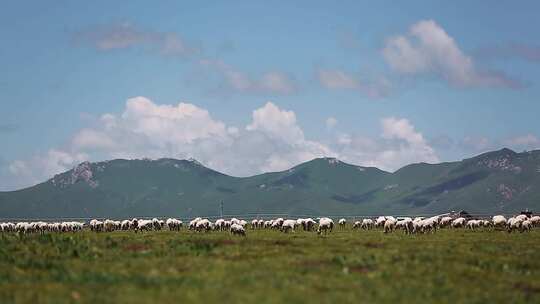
point(347, 266)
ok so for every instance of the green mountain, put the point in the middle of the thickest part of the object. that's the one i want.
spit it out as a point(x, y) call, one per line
point(498, 181)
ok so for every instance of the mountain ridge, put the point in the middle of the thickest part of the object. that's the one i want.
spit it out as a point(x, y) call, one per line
point(495, 181)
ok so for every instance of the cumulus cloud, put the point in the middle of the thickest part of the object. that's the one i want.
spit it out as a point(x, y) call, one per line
point(234, 80)
point(272, 141)
point(331, 122)
point(41, 167)
point(428, 50)
point(125, 35)
point(399, 144)
point(340, 80)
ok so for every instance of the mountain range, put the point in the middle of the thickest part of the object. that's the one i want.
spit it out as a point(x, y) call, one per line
point(500, 181)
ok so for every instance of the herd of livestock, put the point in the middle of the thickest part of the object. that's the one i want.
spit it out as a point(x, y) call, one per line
point(388, 224)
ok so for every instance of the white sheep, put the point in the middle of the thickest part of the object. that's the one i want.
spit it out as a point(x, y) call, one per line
point(535, 220)
point(173, 224)
point(446, 221)
point(514, 223)
point(389, 225)
point(308, 224)
point(459, 222)
point(342, 222)
point(325, 224)
point(367, 224)
point(499, 221)
point(473, 224)
point(288, 225)
point(237, 229)
point(379, 222)
point(406, 224)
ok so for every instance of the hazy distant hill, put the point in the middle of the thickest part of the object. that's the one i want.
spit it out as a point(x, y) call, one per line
point(498, 181)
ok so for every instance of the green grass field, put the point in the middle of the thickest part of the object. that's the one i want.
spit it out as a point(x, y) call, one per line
point(269, 267)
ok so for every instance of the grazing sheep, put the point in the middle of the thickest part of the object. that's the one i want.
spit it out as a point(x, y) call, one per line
point(499, 221)
point(473, 224)
point(342, 222)
point(459, 222)
point(446, 221)
point(96, 226)
point(220, 225)
point(526, 225)
point(288, 225)
point(203, 225)
point(158, 224)
point(379, 222)
point(193, 223)
point(173, 224)
point(389, 225)
point(357, 225)
point(243, 223)
point(406, 224)
point(325, 224)
point(521, 217)
point(514, 223)
point(535, 220)
point(145, 225)
point(367, 224)
point(308, 224)
point(237, 229)
point(134, 224)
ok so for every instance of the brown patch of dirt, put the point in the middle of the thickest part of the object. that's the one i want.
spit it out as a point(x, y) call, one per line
point(281, 243)
point(136, 247)
point(526, 288)
point(226, 242)
point(374, 245)
point(360, 269)
point(314, 263)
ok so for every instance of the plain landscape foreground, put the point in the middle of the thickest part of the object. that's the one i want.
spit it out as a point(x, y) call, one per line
point(459, 265)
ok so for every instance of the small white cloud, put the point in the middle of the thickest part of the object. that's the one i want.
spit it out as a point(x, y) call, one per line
point(236, 81)
point(476, 144)
point(340, 80)
point(428, 50)
point(125, 35)
point(336, 79)
point(331, 122)
point(528, 141)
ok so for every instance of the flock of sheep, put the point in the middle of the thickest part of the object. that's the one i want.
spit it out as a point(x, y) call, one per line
point(521, 223)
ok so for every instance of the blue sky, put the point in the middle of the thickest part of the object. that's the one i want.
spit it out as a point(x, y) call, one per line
point(264, 87)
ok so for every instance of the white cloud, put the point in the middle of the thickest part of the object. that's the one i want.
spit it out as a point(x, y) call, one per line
point(341, 80)
point(528, 141)
point(276, 123)
point(336, 79)
point(399, 144)
point(236, 81)
point(476, 144)
point(428, 50)
point(271, 141)
point(331, 122)
point(125, 35)
point(43, 166)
